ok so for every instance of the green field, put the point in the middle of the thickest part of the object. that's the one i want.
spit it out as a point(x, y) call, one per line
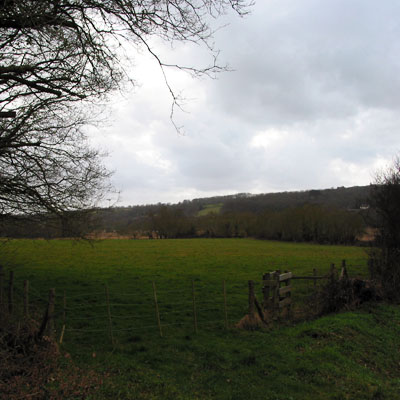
point(210, 209)
point(351, 355)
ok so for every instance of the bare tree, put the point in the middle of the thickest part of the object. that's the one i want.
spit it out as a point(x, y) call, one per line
point(55, 57)
point(48, 166)
point(69, 47)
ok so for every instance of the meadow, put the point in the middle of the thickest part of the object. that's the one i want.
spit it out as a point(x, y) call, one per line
point(350, 355)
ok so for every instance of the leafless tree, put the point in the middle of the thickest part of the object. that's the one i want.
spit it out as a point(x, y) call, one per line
point(55, 57)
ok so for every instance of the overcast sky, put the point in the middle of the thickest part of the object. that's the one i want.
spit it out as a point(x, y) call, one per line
point(313, 102)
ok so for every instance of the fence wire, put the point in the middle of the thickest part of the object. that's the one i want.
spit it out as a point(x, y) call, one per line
point(191, 304)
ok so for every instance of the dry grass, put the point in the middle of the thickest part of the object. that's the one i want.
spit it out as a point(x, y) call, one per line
point(251, 322)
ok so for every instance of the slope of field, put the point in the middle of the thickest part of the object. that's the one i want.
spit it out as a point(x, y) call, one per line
point(209, 209)
point(345, 356)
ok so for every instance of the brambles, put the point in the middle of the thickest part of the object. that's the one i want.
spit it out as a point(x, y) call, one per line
point(345, 294)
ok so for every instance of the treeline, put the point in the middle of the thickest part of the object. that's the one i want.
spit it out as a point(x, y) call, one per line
point(322, 216)
point(309, 223)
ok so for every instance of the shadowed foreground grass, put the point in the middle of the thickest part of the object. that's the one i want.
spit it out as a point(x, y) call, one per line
point(345, 356)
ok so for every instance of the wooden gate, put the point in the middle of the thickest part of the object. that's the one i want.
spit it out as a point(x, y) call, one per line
point(277, 293)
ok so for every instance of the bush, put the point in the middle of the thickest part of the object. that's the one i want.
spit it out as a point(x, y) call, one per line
point(345, 293)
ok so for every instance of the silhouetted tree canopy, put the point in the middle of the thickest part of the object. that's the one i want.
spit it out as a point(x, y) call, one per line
point(385, 256)
point(58, 56)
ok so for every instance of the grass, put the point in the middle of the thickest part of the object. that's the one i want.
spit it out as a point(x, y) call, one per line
point(210, 209)
point(350, 355)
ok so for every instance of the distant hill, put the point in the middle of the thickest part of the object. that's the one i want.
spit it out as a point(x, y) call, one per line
point(341, 197)
point(189, 216)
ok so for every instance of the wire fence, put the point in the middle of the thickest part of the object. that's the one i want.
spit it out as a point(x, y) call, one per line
point(151, 308)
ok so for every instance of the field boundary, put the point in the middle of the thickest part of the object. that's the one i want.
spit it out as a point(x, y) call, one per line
point(104, 312)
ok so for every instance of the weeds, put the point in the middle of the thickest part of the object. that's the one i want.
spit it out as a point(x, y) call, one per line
point(36, 369)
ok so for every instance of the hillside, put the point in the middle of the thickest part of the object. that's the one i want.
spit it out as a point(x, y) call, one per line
point(124, 219)
point(341, 197)
point(238, 215)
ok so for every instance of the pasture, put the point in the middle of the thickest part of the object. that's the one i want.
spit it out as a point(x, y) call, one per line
point(344, 356)
point(209, 209)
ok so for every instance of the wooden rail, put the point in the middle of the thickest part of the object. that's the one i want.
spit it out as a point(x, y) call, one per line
point(310, 277)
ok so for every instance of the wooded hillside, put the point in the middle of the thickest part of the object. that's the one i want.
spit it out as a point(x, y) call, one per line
point(323, 216)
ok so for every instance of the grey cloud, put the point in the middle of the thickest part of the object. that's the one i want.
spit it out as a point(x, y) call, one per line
point(318, 60)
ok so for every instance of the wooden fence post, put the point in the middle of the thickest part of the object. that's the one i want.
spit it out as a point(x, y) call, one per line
point(333, 272)
point(64, 317)
point(11, 293)
point(50, 315)
point(157, 311)
point(109, 315)
point(266, 290)
point(26, 298)
point(225, 306)
point(269, 292)
point(251, 299)
point(315, 281)
point(343, 272)
point(48, 318)
point(1, 288)
point(64, 307)
point(194, 308)
point(289, 295)
point(276, 312)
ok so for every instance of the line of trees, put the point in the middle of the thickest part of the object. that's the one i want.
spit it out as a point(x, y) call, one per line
point(307, 223)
